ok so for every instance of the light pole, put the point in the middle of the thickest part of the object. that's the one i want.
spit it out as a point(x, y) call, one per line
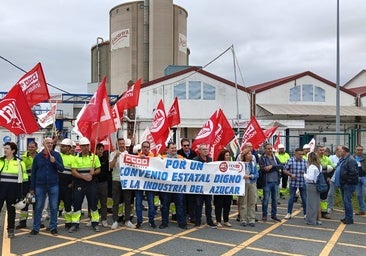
point(100, 40)
point(337, 83)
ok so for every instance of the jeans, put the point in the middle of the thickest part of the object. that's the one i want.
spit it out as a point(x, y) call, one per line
point(331, 192)
point(150, 202)
point(290, 205)
point(41, 192)
point(361, 192)
point(270, 189)
point(178, 199)
point(347, 191)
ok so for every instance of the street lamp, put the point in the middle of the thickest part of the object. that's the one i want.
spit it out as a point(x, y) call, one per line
point(100, 40)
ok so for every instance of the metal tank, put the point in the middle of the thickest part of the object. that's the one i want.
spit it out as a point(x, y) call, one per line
point(145, 37)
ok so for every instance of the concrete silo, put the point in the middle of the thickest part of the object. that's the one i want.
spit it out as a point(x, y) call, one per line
point(145, 37)
point(100, 63)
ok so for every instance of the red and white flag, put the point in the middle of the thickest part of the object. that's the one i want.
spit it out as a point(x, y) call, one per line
point(34, 86)
point(129, 98)
point(277, 142)
point(15, 113)
point(223, 135)
point(96, 122)
point(207, 132)
point(174, 114)
point(159, 128)
point(270, 131)
point(253, 134)
point(48, 118)
point(116, 117)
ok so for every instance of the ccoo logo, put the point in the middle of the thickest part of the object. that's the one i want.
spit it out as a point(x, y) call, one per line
point(206, 130)
point(159, 121)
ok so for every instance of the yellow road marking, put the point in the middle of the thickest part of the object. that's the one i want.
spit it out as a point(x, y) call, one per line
point(271, 251)
point(352, 245)
point(6, 240)
point(207, 241)
point(333, 240)
point(298, 238)
point(256, 237)
point(49, 248)
point(308, 227)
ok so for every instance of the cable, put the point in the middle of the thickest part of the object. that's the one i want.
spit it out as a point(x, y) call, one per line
point(14, 65)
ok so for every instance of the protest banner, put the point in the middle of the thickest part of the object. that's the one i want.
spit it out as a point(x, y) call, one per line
point(182, 175)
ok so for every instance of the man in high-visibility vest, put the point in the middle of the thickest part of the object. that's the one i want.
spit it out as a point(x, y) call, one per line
point(84, 169)
point(66, 178)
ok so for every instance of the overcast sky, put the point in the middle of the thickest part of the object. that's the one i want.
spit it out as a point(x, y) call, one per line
point(272, 39)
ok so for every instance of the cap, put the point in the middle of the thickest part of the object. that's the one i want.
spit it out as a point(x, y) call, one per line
point(84, 141)
point(66, 142)
point(306, 146)
point(281, 146)
point(127, 142)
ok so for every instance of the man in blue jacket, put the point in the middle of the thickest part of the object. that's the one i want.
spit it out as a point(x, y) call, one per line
point(44, 181)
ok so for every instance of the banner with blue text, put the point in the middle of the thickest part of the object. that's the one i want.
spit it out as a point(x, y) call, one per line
point(182, 175)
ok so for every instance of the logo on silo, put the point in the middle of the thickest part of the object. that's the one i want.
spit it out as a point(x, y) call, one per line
point(120, 39)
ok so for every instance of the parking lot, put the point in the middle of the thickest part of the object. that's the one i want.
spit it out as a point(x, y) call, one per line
point(289, 237)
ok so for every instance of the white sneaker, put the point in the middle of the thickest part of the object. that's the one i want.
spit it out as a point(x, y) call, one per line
point(227, 224)
point(304, 216)
point(288, 216)
point(88, 224)
point(114, 225)
point(130, 224)
point(104, 223)
point(329, 211)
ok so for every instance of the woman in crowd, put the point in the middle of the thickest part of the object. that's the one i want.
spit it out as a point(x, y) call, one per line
point(312, 195)
point(223, 202)
point(248, 200)
point(9, 182)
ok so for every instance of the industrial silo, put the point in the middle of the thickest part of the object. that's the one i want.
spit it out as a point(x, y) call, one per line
point(145, 37)
point(100, 63)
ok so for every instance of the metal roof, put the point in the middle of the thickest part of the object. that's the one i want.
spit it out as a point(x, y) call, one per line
point(311, 110)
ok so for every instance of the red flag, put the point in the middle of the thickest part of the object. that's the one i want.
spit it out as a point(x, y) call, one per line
point(96, 123)
point(15, 113)
point(34, 86)
point(130, 98)
point(223, 134)
point(253, 134)
point(160, 128)
point(277, 142)
point(207, 132)
point(269, 132)
point(173, 114)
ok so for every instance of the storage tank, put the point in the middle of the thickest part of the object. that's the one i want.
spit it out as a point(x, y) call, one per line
point(145, 37)
point(100, 62)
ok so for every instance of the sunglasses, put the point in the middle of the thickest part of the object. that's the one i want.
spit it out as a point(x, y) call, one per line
point(186, 145)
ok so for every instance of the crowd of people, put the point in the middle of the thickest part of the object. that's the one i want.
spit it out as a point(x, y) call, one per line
point(64, 176)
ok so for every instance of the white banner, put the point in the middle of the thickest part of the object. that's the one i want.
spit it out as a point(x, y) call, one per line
point(182, 175)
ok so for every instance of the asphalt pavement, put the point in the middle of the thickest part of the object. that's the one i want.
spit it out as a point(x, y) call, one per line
point(288, 237)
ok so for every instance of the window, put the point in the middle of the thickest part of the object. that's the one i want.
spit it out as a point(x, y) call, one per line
point(180, 91)
point(295, 93)
point(319, 94)
point(307, 92)
point(194, 90)
point(209, 92)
